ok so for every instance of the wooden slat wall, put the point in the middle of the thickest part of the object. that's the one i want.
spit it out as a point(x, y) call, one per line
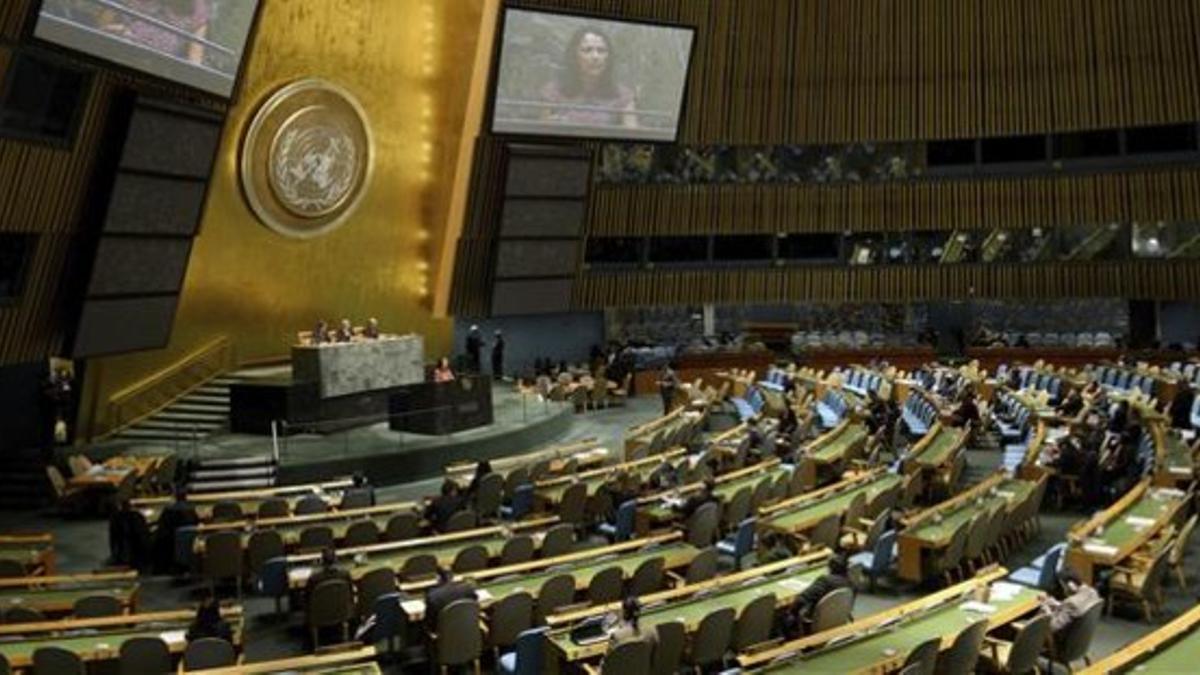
point(474, 266)
point(770, 71)
point(42, 191)
point(639, 210)
point(1166, 281)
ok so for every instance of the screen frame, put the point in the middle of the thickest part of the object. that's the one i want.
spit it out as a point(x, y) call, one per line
point(146, 76)
point(498, 50)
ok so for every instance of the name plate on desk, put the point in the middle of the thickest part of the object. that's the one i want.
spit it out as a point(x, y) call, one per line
point(345, 368)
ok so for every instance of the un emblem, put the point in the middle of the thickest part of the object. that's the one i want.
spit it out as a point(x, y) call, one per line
point(306, 158)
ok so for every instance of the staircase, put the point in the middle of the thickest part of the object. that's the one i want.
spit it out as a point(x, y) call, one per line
point(232, 473)
point(23, 482)
point(196, 415)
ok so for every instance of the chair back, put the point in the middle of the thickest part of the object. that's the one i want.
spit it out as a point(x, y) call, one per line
point(958, 543)
point(515, 479)
point(522, 501)
point(316, 538)
point(833, 609)
point(461, 520)
point(976, 537)
point(1072, 643)
point(626, 515)
point(856, 509)
point(361, 533)
point(511, 616)
point(357, 498)
point(737, 509)
point(402, 526)
point(208, 653)
point(1048, 575)
point(223, 555)
point(573, 505)
point(605, 586)
point(1175, 557)
point(311, 504)
point(964, 651)
point(95, 606)
point(558, 540)
point(648, 577)
point(417, 567)
point(881, 558)
point(489, 494)
point(331, 603)
point(516, 550)
point(470, 559)
point(261, 547)
point(555, 592)
point(1028, 644)
point(762, 494)
point(702, 525)
point(1152, 582)
point(459, 638)
point(754, 623)
point(226, 511)
point(529, 651)
point(145, 656)
point(670, 639)
point(702, 567)
point(743, 540)
point(627, 658)
point(713, 637)
point(827, 532)
point(57, 661)
point(21, 614)
point(379, 581)
point(923, 658)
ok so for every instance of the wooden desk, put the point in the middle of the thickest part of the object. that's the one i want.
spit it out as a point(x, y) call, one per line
point(1112, 535)
point(587, 453)
point(444, 547)
point(1173, 648)
point(34, 551)
point(550, 492)
point(657, 509)
point(786, 579)
point(936, 450)
point(109, 632)
point(930, 531)
point(829, 452)
point(1174, 465)
point(881, 642)
point(331, 491)
point(803, 512)
point(58, 594)
point(358, 661)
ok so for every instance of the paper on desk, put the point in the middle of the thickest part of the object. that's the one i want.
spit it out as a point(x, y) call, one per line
point(978, 607)
point(1100, 549)
point(173, 636)
point(1168, 493)
point(1006, 494)
point(1005, 591)
point(1139, 521)
point(483, 596)
point(796, 585)
point(414, 607)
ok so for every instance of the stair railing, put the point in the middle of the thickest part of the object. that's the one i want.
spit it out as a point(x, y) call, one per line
point(154, 393)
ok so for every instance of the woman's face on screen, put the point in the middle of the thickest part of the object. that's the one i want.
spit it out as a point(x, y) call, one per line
point(592, 55)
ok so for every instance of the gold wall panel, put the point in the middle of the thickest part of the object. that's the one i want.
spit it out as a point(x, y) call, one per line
point(402, 60)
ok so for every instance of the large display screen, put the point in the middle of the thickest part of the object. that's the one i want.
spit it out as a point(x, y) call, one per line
point(195, 42)
point(568, 75)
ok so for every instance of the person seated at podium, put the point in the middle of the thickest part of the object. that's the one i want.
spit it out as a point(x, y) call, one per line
point(371, 331)
point(320, 333)
point(345, 331)
point(443, 373)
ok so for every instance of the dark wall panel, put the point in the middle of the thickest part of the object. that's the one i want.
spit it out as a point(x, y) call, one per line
point(536, 258)
point(130, 265)
point(163, 141)
point(547, 176)
point(542, 218)
point(540, 296)
point(144, 204)
point(113, 326)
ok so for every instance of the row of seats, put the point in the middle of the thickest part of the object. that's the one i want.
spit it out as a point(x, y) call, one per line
point(1189, 371)
point(750, 405)
point(1013, 420)
point(832, 408)
point(918, 414)
point(1032, 378)
point(1123, 379)
point(861, 381)
point(1098, 339)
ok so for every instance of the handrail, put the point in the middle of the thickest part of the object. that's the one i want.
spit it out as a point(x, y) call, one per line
point(157, 391)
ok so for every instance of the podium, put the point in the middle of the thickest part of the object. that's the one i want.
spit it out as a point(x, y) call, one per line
point(437, 408)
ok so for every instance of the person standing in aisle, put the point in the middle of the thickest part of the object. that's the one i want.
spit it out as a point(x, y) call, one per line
point(668, 382)
point(498, 356)
point(474, 348)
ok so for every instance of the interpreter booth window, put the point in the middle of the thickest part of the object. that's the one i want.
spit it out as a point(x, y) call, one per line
point(15, 252)
point(678, 250)
point(1161, 239)
point(1106, 241)
point(614, 251)
point(865, 249)
point(42, 98)
point(743, 249)
point(1002, 245)
point(928, 247)
point(815, 248)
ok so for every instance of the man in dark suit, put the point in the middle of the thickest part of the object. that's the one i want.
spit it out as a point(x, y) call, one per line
point(443, 506)
point(799, 615)
point(329, 570)
point(175, 515)
point(474, 348)
point(445, 592)
point(706, 495)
